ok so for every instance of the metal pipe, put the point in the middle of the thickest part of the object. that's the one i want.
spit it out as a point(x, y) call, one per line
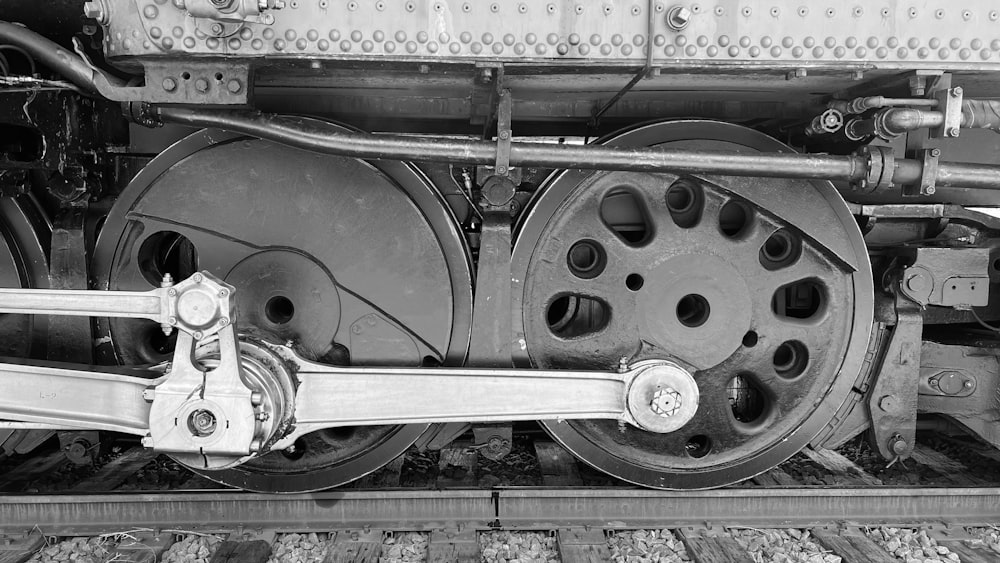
point(892, 122)
point(59, 59)
point(319, 137)
point(860, 105)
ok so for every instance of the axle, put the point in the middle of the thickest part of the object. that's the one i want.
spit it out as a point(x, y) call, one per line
point(223, 400)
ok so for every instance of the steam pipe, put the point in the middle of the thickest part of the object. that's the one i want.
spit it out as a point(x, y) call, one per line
point(320, 137)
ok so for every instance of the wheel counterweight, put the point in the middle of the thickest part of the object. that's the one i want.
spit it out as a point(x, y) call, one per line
point(760, 287)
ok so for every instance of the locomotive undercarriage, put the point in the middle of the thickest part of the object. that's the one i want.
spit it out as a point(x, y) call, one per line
point(286, 303)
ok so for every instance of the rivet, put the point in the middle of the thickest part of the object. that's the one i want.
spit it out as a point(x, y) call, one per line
point(723, 41)
point(541, 48)
point(487, 38)
point(690, 50)
point(595, 40)
point(830, 12)
point(389, 47)
point(744, 41)
point(400, 36)
point(712, 50)
point(522, 8)
point(964, 54)
point(670, 50)
point(944, 53)
point(234, 44)
point(638, 40)
point(892, 42)
point(334, 35)
point(189, 42)
point(211, 43)
point(257, 44)
point(178, 31)
point(345, 45)
point(616, 39)
point(169, 84)
point(939, 14)
point(422, 37)
point(518, 48)
point(912, 13)
point(411, 47)
point(367, 45)
point(734, 51)
point(355, 36)
point(830, 42)
point(378, 35)
point(150, 11)
point(509, 39)
point(476, 47)
point(755, 51)
point(497, 48)
point(851, 42)
point(819, 52)
point(775, 51)
point(466, 37)
point(765, 41)
point(934, 43)
point(443, 37)
point(573, 39)
point(808, 42)
point(976, 43)
point(882, 52)
point(861, 52)
point(923, 52)
point(269, 33)
point(455, 48)
point(913, 43)
point(606, 49)
point(432, 47)
point(552, 39)
point(585, 49)
point(155, 32)
point(902, 52)
point(563, 48)
point(955, 43)
point(787, 42)
point(839, 52)
point(290, 35)
point(680, 40)
point(985, 54)
point(797, 52)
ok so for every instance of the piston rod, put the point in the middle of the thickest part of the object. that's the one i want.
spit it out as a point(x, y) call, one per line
point(320, 137)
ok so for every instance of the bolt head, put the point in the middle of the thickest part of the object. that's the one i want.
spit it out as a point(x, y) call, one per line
point(898, 445)
point(666, 402)
point(956, 91)
point(967, 384)
point(197, 335)
point(202, 422)
point(201, 85)
point(953, 132)
point(887, 403)
point(935, 152)
point(169, 84)
point(234, 86)
point(930, 190)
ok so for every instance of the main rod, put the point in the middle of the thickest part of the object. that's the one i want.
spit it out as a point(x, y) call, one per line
point(320, 137)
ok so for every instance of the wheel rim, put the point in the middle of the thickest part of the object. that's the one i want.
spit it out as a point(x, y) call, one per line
point(24, 239)
point(337, 255)
point(690, 268)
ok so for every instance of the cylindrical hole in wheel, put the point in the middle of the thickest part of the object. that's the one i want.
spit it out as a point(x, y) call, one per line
point(698, 446)
point(750, 339)
point(634, 282)
point(586, 259)
point(167, 252)
point(685, 201)
point(791, 359)
point(781, 249)
point(745, 398)
point(734, 217)
point(279, 309)
point(693, 310)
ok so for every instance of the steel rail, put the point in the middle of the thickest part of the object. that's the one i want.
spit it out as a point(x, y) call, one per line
point(324, 138)
point(508, 508)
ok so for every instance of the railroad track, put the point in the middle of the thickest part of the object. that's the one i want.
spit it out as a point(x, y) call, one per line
point(821, 506)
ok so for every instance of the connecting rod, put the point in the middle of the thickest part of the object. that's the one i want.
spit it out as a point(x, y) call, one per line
point(223, 400)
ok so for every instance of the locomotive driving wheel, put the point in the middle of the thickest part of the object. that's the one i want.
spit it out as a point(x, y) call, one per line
point(760, 287)
point(347, 261)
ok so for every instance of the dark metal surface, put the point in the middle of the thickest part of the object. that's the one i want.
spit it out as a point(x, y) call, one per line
point(671, 260)
point(24, 240)
point(348, 261)
point(514, 508)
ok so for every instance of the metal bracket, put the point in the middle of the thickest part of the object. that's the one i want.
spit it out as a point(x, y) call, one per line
point(948, 277)
point(892, 400)
point(881, 165)
point(928, 174)
point(504, 133)
point(950, 104)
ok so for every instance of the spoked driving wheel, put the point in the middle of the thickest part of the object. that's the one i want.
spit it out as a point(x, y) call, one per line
point(350, 262)
point(761, 287)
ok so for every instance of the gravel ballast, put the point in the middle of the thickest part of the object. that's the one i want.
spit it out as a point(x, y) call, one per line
point(520, 547)
point(789, 545)
point(646, 546)
point(911, 546)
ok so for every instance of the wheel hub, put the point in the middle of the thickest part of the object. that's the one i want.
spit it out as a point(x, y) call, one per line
point(760, 288)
